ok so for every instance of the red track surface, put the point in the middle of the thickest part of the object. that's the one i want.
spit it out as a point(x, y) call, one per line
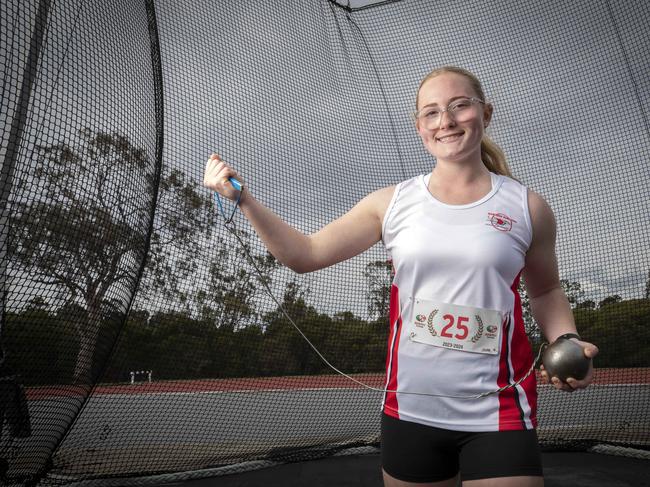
point(602, 376)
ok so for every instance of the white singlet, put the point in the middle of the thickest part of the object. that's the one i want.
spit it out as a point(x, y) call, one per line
point(456, 324)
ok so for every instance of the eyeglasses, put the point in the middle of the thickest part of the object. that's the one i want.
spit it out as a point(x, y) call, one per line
point(460, 110)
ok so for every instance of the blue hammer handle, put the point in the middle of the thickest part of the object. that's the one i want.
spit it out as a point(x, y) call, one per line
point(235, 184)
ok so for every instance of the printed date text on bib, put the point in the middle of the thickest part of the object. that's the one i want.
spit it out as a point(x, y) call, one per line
point(462, 328)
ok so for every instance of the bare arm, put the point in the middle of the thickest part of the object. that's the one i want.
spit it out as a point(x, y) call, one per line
point(548, 301)
point(355, 231)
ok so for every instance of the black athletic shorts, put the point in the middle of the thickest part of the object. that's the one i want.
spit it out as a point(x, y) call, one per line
point(413, 452)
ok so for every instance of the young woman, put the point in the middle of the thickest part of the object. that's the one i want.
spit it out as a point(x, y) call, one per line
point(460, 239)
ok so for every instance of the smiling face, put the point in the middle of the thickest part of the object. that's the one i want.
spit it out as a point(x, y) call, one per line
point(454, 138)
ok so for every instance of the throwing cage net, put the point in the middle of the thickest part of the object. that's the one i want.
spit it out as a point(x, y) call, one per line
point(138, 336)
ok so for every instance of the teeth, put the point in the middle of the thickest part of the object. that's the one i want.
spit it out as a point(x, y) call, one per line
point(447, 138)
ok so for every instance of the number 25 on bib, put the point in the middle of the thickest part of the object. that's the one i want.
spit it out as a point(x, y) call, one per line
point(461, 328)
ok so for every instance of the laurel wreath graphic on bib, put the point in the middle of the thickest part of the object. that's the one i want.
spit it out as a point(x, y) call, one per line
point(455, 327)
point(432, 315)
point(479, 331)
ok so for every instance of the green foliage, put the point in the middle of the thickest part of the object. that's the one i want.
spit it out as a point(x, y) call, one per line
point(610, 300)
point(378, 279)
point(588, 304)
point(229, 295)
point(81, 227)
point(42, 345)
point(82, 233)
point(84, 238)
point(573, 291)
point(621, 330)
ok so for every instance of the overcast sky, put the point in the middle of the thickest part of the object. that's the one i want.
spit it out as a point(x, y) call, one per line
point(312, 105)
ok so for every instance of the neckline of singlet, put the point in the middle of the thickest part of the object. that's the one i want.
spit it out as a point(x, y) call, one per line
point(497, 180)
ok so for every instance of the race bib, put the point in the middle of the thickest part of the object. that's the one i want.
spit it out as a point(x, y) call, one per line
point(462, 328)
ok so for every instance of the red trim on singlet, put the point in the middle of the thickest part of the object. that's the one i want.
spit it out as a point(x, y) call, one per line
point(391, 406)
point(518, 352)
point(522, 354)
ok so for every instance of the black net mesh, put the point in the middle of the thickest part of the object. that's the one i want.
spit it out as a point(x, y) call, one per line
point(137, 334)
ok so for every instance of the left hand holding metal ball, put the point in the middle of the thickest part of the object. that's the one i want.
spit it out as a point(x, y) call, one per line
point(561, 358)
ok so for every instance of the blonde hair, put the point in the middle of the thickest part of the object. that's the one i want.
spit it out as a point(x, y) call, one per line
point(491, 154)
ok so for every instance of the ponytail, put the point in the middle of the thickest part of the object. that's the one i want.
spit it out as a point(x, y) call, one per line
point(493, 157)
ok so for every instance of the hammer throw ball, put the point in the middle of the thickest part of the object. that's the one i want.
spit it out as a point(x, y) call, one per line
point(564, 359)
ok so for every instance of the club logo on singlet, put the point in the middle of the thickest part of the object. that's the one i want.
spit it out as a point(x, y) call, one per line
point(500, 221)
